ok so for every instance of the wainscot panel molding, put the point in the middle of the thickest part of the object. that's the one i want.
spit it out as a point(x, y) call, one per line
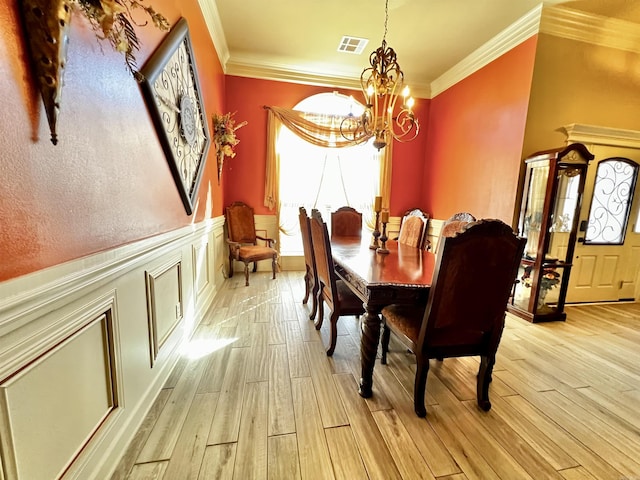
point(86, 346)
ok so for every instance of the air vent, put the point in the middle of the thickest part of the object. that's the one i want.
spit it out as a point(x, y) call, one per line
point(352, 45)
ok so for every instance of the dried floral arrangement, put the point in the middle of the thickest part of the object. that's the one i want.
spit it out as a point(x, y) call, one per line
point(224, 137)
point(224, 133)
point(113, 20)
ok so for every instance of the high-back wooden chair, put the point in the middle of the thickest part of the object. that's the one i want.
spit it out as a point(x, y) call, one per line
point(465, 312)
point(413, 228)
point(310, 281)
point(243, 241)
point(454, 224)
point(346, 222)
point(332, 291)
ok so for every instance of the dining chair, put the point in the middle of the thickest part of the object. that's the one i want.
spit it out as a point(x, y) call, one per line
point(465, 312)
point(454, 225)
point(310, 281)
point(331, 290)
point(346, 222)
point(413, 228)
point(243, 240)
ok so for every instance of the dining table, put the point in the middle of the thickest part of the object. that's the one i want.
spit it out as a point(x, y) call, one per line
point(401, 276)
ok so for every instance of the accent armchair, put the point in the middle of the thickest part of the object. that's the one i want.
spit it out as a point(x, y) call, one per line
point(243, 241)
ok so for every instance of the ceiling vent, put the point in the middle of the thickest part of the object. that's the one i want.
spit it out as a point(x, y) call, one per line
point(352, 45)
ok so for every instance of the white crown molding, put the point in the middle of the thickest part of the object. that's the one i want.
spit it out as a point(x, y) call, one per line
point(214, 25)
point(597, 135)
point(553, 20)
point(591, 28)
point(514, 35)
point(254, 67)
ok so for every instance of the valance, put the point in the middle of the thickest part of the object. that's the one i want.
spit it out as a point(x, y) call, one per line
point(318, 129)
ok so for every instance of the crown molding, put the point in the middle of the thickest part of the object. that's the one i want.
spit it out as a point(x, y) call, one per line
point(255, 67)
point(216, 32)
point(591, 28)
point(514, 35)
point(553, 20)
point(597, 135)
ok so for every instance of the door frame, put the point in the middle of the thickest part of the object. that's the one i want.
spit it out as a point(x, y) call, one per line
point(593, 136)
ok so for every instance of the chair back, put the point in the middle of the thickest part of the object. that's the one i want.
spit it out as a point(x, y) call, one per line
point(241, 223)
point(346, 222)
point(413, 228)
point(473, 278)
point(307, 246)
point(325, 270)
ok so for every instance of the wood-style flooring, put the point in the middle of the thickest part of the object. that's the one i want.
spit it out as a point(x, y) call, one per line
point(257, 398)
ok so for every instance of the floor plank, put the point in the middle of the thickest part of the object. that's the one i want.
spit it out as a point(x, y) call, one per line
point(255, 396)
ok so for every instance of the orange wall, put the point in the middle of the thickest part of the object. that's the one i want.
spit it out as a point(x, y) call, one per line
point(475, 137)
point(243, 175)
point(107, 182)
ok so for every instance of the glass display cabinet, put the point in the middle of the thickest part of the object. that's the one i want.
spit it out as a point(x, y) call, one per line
point(549, 214)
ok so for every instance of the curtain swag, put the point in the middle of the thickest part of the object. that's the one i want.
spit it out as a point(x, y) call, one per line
point(317, 129)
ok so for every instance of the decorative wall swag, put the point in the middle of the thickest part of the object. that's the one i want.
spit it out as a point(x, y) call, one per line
point(46, 24)
point(224, 137)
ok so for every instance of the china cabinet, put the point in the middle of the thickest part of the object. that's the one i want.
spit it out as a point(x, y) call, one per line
point(549, 214)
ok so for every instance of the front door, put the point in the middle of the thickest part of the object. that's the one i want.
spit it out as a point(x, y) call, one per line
point(607, 252)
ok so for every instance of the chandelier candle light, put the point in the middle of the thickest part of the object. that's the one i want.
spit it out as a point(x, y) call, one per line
point(382, 84)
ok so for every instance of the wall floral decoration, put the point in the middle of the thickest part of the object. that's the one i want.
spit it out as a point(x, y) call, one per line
point(224, 137)
point(46, 25)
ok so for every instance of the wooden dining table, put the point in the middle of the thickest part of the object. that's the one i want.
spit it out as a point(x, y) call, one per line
point(402, 276)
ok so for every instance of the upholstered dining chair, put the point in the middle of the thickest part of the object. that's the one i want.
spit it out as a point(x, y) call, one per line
point(413, 228)
point(455, 224)
point(346, 222)
point(310, 281)
point(465, 312)
point(331, 290)
point(243, 241)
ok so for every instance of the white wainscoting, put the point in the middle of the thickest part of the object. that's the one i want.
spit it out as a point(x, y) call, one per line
point(86, 346)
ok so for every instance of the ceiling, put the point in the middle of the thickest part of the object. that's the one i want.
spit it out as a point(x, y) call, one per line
point(297, 40)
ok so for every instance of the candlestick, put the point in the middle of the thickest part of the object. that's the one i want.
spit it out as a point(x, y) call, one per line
point(383, 238)
point(376, 233)
point(378, 204)
point(385, 217)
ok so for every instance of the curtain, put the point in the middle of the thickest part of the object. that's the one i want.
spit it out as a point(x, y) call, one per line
point(317, 129)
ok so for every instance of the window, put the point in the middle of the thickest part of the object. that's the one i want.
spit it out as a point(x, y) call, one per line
point(611, 202)
point(323, 178)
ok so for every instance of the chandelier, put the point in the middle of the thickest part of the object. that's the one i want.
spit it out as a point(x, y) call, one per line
point(382, 85)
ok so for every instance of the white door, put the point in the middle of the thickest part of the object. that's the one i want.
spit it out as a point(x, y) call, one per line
point(607, 252)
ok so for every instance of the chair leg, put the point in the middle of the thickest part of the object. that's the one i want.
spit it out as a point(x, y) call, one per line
point(333, 338)
point(314, 297)
point(246, 274)
point(255, 267)
point(307, 286)
point(422, 369)
point(230, 265)
point(273, 267)
point(320, 316)
point(484, 379)
point(386, 336)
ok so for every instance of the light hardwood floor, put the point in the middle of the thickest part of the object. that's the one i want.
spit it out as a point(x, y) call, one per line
point(256, 397)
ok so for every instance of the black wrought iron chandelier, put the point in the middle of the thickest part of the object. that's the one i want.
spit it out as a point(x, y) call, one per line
point(382, 85)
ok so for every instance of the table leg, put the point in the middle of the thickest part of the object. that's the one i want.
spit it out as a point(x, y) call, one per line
point(369, 349)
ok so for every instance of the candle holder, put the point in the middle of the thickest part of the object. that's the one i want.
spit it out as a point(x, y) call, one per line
point(382, 249)
point(376, 233)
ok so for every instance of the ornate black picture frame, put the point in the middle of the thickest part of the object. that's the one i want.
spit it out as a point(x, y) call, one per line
point(171, 90)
